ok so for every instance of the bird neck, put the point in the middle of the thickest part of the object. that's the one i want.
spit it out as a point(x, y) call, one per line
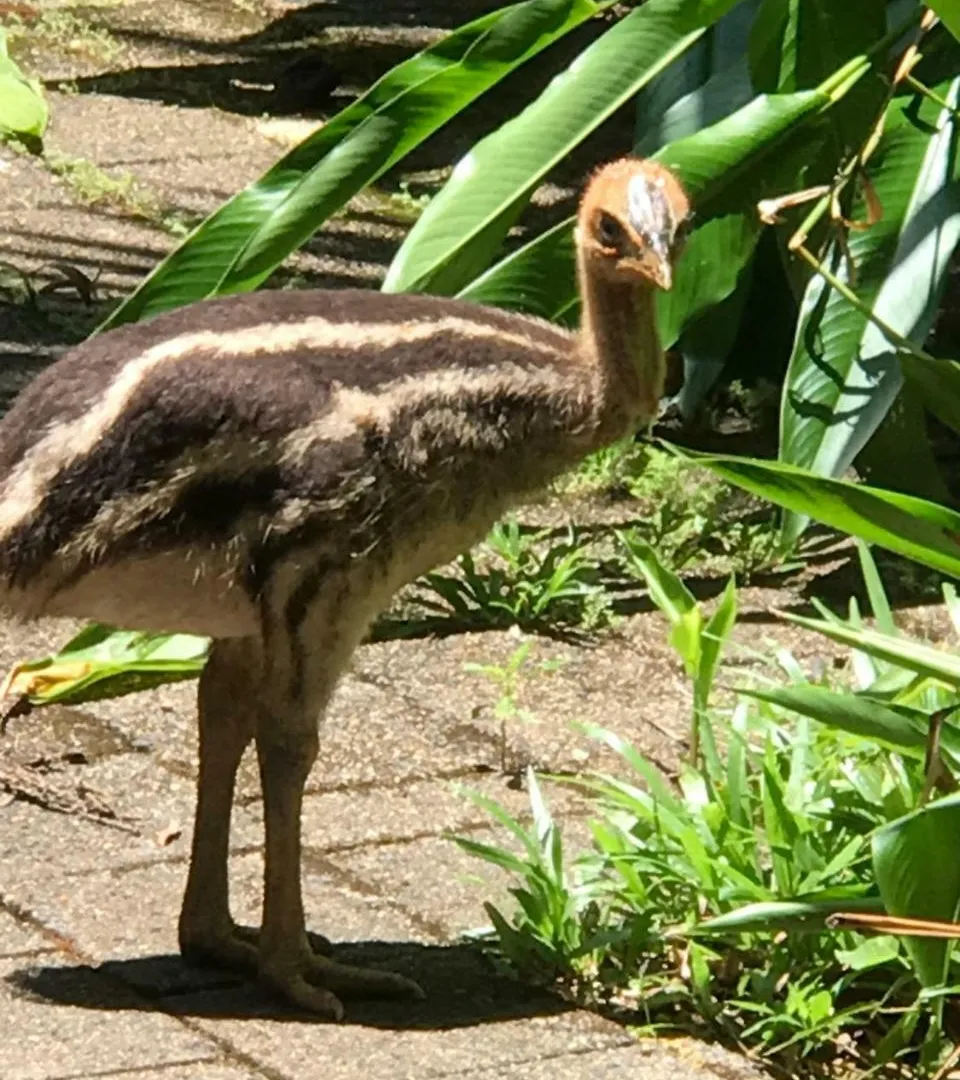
point(618, 337)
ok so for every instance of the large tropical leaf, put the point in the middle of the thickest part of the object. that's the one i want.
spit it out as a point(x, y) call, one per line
point(938, 383)
point(705, 343)
point(101, 662)
point(464, 226)
point(920, 530)
point(883, 460)
point(844, 374)
point(918, 872)
point(538, 278)
point(243, 241)
point(709, 82)
point(795, 44)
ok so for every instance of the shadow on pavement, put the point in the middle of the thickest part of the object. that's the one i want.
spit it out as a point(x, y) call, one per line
point(462, 989)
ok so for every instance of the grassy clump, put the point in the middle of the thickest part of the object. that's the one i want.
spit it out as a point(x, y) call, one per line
point(703, 903)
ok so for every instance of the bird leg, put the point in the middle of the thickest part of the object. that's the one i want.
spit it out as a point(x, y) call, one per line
point(287, 963)
point(227, 708)
point(297, 684)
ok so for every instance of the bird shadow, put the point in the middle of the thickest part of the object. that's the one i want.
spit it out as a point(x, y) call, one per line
point(462, 987)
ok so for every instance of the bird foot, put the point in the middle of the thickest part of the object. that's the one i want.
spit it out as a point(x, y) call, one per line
point(321, 982)
point(315, 984)
point(236, 947)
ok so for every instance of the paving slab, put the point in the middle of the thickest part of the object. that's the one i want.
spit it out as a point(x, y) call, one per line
point(19, 938)
point(341, 820)
point(196, 1071)
point(153, 821)
point(637, 1062)
point(44, 1040)
point(43, 222)
point(131, 914)
point(441, 1048)
point(633, 684)
point(148, 140)
point(371, 736)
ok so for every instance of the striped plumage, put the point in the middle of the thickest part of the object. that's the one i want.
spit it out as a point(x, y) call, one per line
point(268, 469)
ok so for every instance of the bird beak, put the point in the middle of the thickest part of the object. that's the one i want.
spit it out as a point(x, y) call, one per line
point(657, 264)
point(662, 270)
point(652, 218)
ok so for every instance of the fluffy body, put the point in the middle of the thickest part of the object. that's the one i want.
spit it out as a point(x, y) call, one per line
point(239, 435)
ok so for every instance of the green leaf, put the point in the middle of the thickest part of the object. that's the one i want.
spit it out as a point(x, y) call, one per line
point(918, 872)
point(774, 916)
point(712, 640)
point(708, 272)
point(670, 594)
point(23, 108)
point(900, 454)
point(904, 652)
point(463, 227)
point(938, 383)
point(243, 241)
point(879, 604)
point(794, 44)
point(870, 953)
point(725, 168)
point(710, 81)
point(780, 825)
point(536, 278)
point(844, 374)
point(854, 713)
point(666, 589)
point(920, 530)
point(706, 342)
point(101, 662)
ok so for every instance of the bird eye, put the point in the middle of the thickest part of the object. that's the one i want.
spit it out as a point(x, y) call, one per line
point(609, 230)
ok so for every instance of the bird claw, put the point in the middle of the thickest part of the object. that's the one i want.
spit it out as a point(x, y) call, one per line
point(360, 982)
point(318, 987)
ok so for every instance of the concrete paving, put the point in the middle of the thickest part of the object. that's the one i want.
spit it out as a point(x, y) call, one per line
point(90, 980)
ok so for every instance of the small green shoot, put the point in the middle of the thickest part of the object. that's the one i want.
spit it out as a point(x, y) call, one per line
point(698, 640)
point(506, 678)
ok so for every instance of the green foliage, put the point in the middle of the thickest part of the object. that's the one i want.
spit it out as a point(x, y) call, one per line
point(23, 108)
point(464, 226)
point(698, 640)
point(710, 899)
point(529, 579)
point(920, 530)
point(101, 662)
point(245, 240)
point(837, 394)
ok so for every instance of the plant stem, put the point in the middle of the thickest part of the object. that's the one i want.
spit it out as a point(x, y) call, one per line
point(922, 88)
point(893, 336)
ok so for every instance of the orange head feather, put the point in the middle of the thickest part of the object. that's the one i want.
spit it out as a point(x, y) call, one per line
point(632, 222)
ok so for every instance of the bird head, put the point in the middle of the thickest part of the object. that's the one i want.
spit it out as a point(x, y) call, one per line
point(633, 221)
